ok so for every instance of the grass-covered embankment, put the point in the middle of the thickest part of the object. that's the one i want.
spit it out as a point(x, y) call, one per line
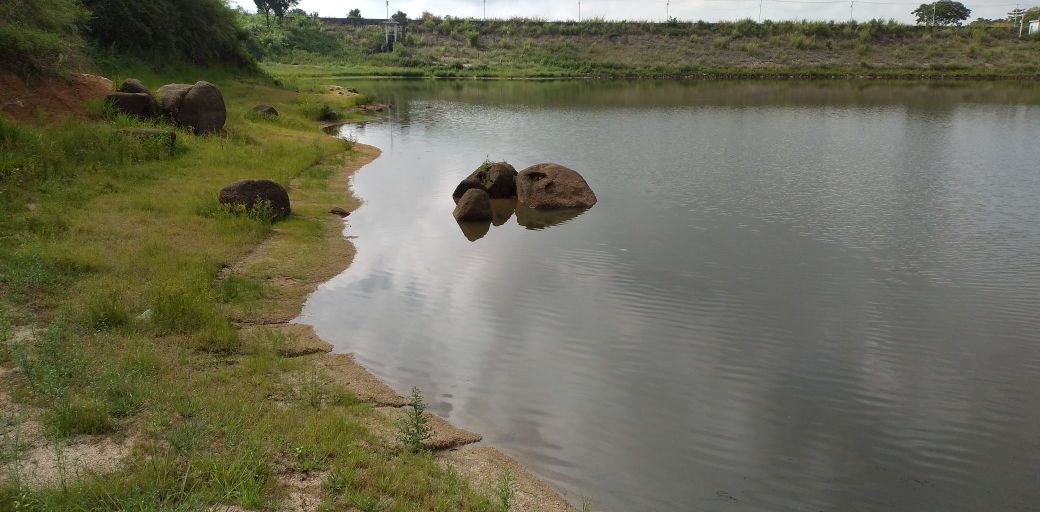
point(121, 373)
point(454, 47)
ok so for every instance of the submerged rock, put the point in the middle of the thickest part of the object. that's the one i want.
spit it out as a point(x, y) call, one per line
point(475, 205)
point(553, 186)
point(251, 194)
point(497, 179)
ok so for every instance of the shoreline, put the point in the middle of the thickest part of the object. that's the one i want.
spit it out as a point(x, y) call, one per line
point(482, 465)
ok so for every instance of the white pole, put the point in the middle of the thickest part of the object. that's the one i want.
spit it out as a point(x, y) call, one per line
point(579, 11)
point(933, 13)
point(485, 10)
point(852, 4)
point(668, 10)
point(760, 11)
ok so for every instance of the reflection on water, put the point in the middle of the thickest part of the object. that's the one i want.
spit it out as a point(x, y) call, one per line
point(789, 297)
point(531, 218)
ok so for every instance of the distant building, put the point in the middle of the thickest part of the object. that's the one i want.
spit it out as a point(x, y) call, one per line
point(1034, 26)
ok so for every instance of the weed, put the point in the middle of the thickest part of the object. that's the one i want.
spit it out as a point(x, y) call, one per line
point(105, 310)
point(69, 418)
point(414, 428)
point(504, 491)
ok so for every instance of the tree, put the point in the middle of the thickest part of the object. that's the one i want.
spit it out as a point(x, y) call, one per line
point(281, 7)
point(942, 13)
point(354, 14)
point(400, 17)
point(264, 7)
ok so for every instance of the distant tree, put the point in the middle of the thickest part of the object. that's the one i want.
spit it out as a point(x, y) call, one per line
point(281, 7)
point(1015, 14)
point(942, 13)
point(354, 14)
point(400, 17)
point(264, 7)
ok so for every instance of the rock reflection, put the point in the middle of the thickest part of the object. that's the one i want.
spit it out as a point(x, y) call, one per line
point(474, 231)
point(542, 219)
point(502, 210)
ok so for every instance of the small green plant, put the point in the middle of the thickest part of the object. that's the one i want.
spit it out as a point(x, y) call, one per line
point(504, 491)
point(414, 428)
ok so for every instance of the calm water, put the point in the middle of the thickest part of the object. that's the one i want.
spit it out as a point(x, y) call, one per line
point(789, 297)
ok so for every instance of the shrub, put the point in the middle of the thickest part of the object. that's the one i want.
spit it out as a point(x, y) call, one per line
point(40, 36)
point(414, 428)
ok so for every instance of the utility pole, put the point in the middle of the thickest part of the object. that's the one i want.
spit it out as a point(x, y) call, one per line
point(579, 11)
point(668, 10)
point(485, 10)
point(933, 13)
point(852, 5)
point(387, 10)
point(1021, 19)
point(760, 11)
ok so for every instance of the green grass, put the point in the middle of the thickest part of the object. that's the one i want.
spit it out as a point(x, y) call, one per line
point(112, 249)
point(467, 48)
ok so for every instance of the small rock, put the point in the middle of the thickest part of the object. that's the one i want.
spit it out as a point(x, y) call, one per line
point(475, 205)
point(266, 110)
point(250, 193)
point(167, 136)
point(339, 211)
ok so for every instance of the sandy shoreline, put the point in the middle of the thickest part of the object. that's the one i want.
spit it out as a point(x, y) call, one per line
point(483, 466)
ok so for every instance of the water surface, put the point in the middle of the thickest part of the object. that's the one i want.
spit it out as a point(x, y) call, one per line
point(790, 296)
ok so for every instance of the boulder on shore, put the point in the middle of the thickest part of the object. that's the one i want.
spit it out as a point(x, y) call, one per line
point(199, 107)
point(265, 110)
point(473, 206)
point(553, 186)
point(497, 179)
point(133, 85)
point(135, 104)
point(251, 194)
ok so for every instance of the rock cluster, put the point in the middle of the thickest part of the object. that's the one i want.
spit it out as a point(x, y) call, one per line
point(552, 188)
point(198, 107)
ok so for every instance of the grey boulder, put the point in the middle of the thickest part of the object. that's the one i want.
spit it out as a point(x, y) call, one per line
point(252, 194)
point(497, 179)
point(553, 186)
point(199, 107)
point(473, 206)
point(135, 104)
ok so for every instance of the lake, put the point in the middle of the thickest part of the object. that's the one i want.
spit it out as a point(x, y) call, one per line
point(791, 296)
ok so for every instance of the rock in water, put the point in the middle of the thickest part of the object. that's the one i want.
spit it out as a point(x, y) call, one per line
point(553, 186)
point(203, 109)
point(135, 104)
point(475, 205)
point(265, 110)
point(199, 107)
point(133, 85)
point(252, 193)
point(497, 179)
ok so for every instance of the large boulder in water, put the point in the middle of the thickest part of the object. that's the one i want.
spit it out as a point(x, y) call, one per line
point(553, 186)
point(199, 107)
point(497, 179)
point(133, 104)
point(474, 205)
point(252, 194)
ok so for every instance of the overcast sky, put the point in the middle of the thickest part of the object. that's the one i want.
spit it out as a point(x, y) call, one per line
point(709, 10)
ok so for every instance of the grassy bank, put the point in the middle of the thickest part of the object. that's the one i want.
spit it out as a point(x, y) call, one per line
point(453, 47)
point(122, 373)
